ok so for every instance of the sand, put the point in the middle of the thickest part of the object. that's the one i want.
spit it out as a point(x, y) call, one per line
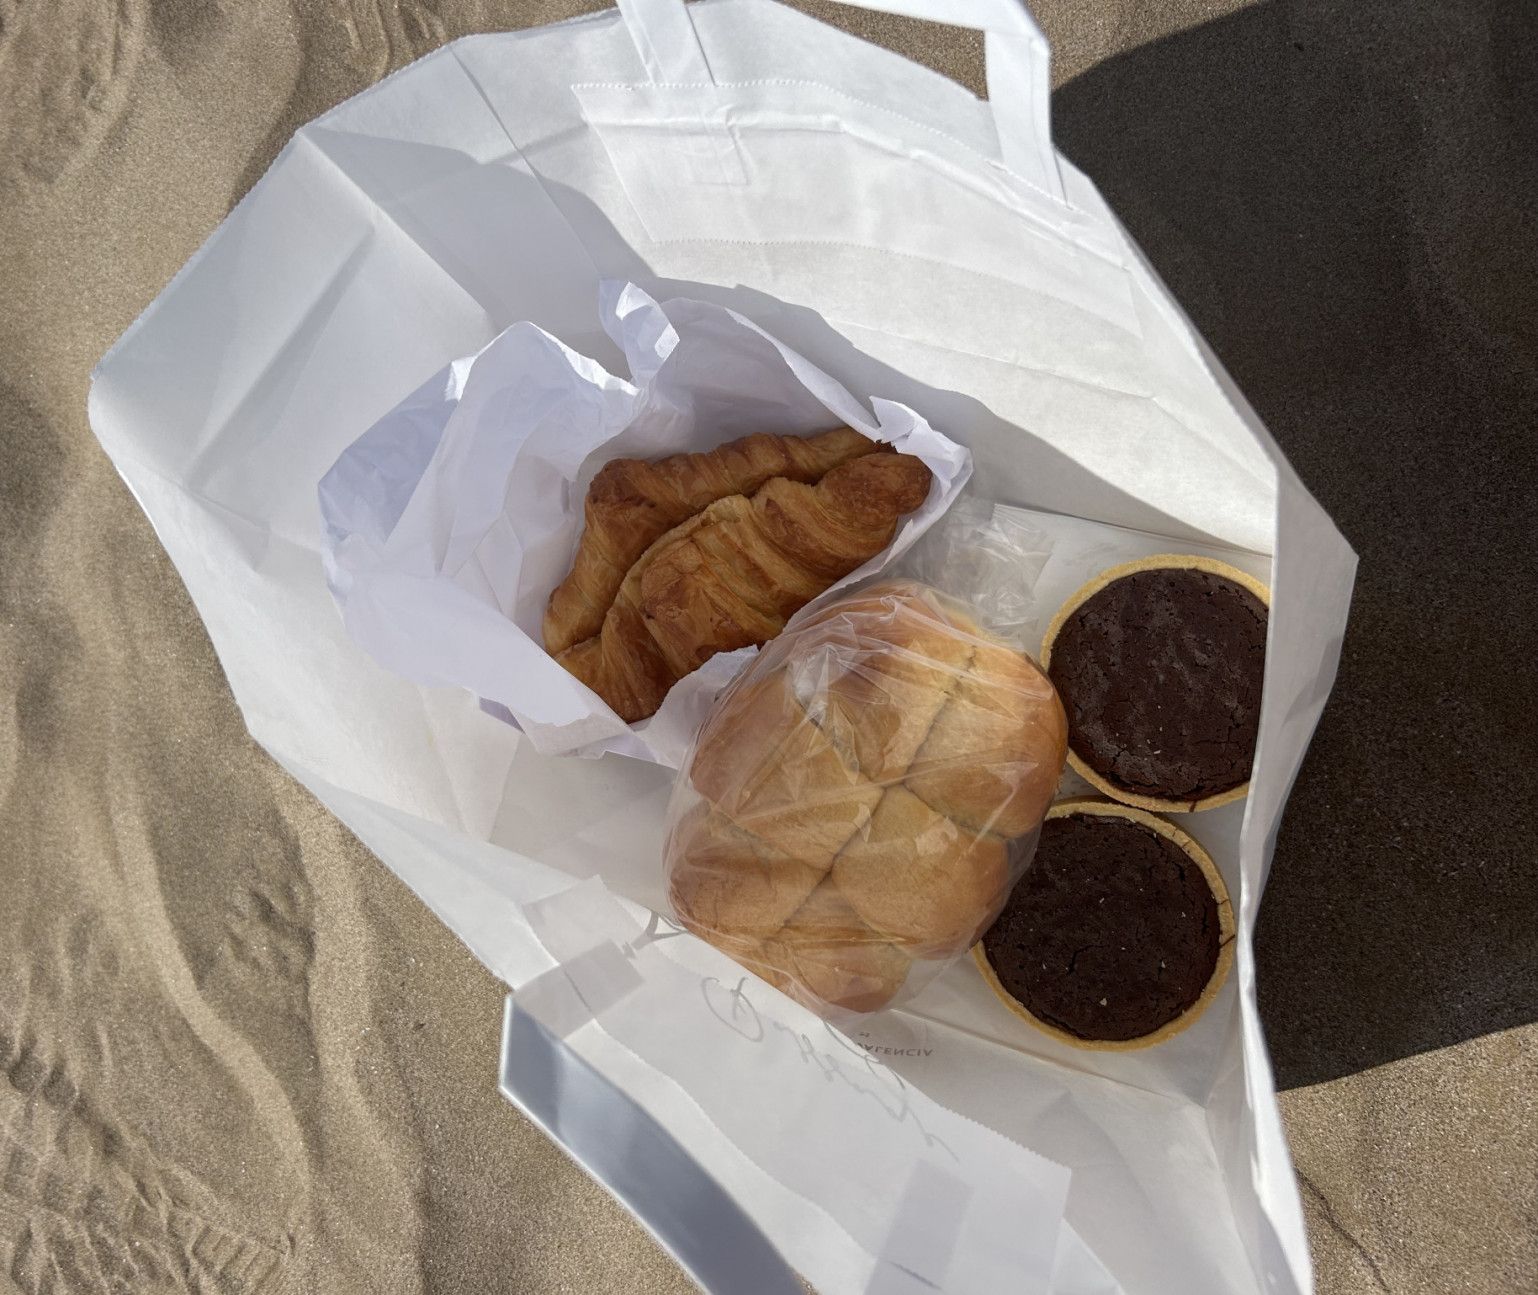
point(236, 1055)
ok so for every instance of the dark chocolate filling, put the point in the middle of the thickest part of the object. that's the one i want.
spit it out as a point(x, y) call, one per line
point(1111, 933)
point(1160, 673)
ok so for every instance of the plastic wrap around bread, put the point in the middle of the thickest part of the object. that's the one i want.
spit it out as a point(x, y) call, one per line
point(860, 802)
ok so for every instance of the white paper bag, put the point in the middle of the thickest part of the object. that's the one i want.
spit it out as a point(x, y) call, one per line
point(908, 240)
point(449, 520)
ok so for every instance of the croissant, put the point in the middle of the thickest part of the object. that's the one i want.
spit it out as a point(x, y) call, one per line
point(732, 575)
point(632, 503)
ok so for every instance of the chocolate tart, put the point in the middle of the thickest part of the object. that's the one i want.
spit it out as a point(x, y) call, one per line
point(1119, 934)
point(1159, 664)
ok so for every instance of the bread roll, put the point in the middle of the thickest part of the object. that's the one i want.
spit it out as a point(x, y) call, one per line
point(889, 661)
point(850, 806)
point(835, 957)
point(725, 879)
point(994, 757)
point(771, 771)
point(924, 881)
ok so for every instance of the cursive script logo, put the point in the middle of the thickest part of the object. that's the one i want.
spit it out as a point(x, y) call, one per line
point(871, 1080)
point(739, 1015)
point(658, 928)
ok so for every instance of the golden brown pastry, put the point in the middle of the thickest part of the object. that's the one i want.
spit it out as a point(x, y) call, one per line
point(926, 882)
point(788, 786)
point(995, 755)
point(732, 575)
point(824, 956)
point(878, 669)
point(827, 951)
point(729, 883)
point(766, 960)
point(632, 503)
point(868, 777)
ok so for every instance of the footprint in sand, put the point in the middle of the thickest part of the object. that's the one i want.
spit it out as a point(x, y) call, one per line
point(85, 1206)
point(65, 71)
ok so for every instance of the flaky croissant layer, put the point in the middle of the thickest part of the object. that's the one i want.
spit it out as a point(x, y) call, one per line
point(632, 503)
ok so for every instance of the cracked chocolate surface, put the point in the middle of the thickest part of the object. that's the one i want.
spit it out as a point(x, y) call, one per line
point(1112, 932)
point(1160, 673)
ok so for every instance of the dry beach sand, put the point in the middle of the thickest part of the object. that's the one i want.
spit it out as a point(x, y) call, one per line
point(236, 1055)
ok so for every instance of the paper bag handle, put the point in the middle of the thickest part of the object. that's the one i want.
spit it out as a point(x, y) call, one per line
point(1016, 52)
